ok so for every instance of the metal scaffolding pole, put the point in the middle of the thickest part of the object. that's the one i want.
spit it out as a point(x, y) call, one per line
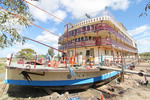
point(67, 47)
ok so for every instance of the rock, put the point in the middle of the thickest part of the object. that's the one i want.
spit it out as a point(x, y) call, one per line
point(66, 94)
point(95, 92)
point(55, 96)
point(111, 89)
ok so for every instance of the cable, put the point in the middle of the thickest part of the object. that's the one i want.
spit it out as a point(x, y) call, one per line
point(48, 12)
point(44, 44)
point(32, 23)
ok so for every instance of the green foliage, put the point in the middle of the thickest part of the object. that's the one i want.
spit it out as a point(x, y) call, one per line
point(2, 68)
point(51, 52)
point(9, 34)
point(26, 53)
point(40, 56)
point(145, 54)
point(146, 8)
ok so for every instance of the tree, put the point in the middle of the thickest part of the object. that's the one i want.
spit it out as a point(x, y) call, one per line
point(51, 52)
point(146, 8)
point(26, 53)
point(9, 34)
point(40, 56)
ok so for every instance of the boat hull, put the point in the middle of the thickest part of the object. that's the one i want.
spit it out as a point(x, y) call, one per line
point(60, 80)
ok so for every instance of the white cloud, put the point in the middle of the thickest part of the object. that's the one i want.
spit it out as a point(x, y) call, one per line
point(18, 46)
point(47, 37)
point(80, 7)
point(51, 6)
point(143, 45)
point(143, 42)
point(139, 30)
point(76, 7)
point(142, 36)
point(138, 1)
point(60, 14)
point(119, 4)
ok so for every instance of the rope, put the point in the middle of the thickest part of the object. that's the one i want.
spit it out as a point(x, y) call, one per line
point(32, 23)
point(47, 12)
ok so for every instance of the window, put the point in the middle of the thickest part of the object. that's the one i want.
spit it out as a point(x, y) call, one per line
point(87, 52)
point(88, 28)
point(73, 33)
point(106, 52)
point(80, 53)
point(78, 39)
point(112, 53)
point(90, 37)
point(86, 38)
point(82, 39)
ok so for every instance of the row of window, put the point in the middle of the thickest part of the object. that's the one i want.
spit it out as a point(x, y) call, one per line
point(94, 27)
point(112, 53)
point(82, 39)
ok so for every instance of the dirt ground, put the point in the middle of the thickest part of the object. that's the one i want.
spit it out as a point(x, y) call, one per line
point(128, 90)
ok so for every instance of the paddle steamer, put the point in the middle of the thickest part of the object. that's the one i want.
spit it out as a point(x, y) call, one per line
point(92, 41)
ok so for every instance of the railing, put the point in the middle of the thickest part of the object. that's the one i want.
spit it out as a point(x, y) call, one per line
point(102, 41)
point(121, 46)
point(96, 27)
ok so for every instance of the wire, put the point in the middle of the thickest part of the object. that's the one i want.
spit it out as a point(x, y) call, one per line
point(32, 23)
point(44, 44)
point(48, 12)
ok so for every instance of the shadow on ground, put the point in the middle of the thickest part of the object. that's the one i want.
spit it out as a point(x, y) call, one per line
point(25, 91)
point(17, 91)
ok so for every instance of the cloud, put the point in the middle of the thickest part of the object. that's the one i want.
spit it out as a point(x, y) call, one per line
point(18, 46)
point(143, 44)
point(51, 6)
point(76, 8)
point(60, 14)
point(119, 4)
point(138, 1)
point(139, 30)
point(47, 37)
point(80, 7)
point(142, 36)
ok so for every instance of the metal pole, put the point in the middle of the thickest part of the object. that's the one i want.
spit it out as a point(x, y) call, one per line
point(122, 73)
point(44, 44)
point(10, 59)
point(75, 45)
point(35, 61)
point(98, 46)
point(67, 47)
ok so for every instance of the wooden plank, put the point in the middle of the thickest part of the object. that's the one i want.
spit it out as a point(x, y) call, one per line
point(148, 66)
point(125, 71)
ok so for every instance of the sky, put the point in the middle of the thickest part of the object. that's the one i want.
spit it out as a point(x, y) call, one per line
point(125, 11)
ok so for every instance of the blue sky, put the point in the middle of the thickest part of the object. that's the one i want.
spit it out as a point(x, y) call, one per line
point(125, 11)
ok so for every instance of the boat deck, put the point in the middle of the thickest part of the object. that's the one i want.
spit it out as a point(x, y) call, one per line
point(43, 68)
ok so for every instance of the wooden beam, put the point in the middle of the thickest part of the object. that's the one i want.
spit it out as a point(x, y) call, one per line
point(125, 71)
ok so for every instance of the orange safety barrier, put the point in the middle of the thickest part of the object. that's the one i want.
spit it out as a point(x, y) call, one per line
point(53, 64)
point(64, 60)
point(102, 97)
point(70, 60)
point(88, 67)
point(73, 60)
